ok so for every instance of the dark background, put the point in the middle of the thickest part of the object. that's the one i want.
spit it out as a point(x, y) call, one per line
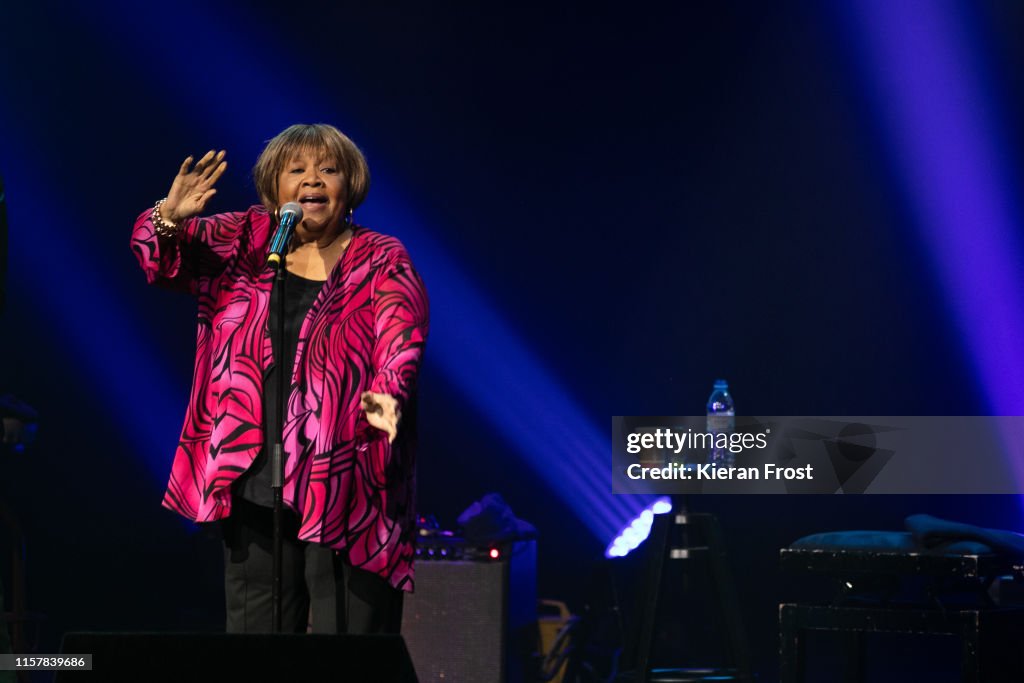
point(650, 197)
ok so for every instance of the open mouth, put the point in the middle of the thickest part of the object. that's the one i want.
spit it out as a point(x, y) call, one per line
point(313, 200)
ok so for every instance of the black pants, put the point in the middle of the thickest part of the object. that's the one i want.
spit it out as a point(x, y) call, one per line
point(318, 585)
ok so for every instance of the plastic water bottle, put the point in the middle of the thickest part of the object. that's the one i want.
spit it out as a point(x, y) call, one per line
point(721, 420)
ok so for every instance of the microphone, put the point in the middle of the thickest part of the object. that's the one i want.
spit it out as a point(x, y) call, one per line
point(291, 215)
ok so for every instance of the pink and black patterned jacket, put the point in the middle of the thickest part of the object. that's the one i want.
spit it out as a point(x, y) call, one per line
point(366, 331)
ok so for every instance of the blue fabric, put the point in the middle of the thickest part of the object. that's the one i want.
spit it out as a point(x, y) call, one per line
point(934, 533)
point(491, 519)
point(886, 542)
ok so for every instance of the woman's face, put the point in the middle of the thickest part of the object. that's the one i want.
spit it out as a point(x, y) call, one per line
point(315, 182)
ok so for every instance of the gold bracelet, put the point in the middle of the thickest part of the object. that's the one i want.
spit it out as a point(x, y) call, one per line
point(162, 227)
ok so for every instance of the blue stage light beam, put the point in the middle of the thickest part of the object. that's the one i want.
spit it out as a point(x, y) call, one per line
point(943, 136)
point(941, 132)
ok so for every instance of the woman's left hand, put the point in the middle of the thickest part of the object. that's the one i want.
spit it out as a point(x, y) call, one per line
point(382, 412)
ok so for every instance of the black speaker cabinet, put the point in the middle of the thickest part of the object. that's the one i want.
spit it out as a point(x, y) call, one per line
point(473, 617)
point(217, 658)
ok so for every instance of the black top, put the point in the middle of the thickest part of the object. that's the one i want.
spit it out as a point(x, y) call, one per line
point(254, 484)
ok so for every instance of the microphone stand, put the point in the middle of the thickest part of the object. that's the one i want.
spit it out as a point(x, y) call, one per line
point(288, 216)
point(277, 451)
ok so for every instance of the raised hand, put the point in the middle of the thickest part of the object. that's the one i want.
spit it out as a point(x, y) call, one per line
point(192, 189)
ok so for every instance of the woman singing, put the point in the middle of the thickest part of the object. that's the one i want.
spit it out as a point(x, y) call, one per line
point(355, 325)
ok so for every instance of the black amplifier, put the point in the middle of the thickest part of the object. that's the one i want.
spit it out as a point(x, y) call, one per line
point(473, 616)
